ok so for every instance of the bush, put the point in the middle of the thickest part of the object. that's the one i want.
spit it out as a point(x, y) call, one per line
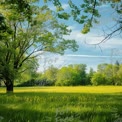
point(35, 82)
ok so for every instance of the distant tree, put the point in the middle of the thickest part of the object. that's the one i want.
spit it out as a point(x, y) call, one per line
point(118, 76)
point(98, 79)
point(117, 64)
point(108, 71)
point(101, 67)
point(89, 76)
point(71, 75)
point(50, 75)
point(81, 70)
point(107, 74)
point(66, 77)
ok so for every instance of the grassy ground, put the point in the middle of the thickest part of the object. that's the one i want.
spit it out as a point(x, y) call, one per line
point(62, 104)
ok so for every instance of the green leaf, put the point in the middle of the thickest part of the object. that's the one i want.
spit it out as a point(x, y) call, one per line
point(64, 15)
point(83, 17)
point(45, 1)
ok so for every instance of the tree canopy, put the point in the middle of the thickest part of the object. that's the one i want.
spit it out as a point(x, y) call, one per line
point(23, 38)
point(87, 13)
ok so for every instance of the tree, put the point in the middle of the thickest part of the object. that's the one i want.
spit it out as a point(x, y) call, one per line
point(66, 76)
point(106, 71)
point(22, 7)
point(117, 64)
point(87, 13)
point(89, 76)
point(50, 75)
point(119, 76)
point(107, 74)
point(110, 72)
point(81, 70)
point(98, 79)
point(29, 37)
point(72, 75)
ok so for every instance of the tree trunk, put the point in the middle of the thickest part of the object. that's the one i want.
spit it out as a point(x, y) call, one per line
point(9, 87)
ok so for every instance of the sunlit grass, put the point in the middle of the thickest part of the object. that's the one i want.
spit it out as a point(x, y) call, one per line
point(78, 89)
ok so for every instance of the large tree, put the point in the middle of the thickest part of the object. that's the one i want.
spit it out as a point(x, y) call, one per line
point(27, 34)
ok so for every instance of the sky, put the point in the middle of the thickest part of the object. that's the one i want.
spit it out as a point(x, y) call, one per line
point(89, 54)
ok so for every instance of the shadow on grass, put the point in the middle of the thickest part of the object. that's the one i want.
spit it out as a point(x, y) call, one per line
point(60, 107)
point(25, 115)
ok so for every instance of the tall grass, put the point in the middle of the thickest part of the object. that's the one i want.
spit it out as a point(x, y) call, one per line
point(62, 104)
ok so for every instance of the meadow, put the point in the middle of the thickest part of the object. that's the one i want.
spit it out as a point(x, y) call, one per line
point(62, 104)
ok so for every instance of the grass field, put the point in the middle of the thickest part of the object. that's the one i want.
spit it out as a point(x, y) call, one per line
point(62, 104)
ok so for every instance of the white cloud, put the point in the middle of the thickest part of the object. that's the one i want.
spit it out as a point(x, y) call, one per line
point(71, 27)
point(86, 56)
point(52, 7)
point(95, 36)
point(104, 6)
point(76, 34)
point(65, 6)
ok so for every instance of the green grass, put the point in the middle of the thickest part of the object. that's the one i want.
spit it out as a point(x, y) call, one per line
point(62, 104)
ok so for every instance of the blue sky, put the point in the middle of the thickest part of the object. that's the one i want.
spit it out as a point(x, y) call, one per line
point(87, 53)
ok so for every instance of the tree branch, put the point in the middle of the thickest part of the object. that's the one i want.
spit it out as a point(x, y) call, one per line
point(27, 57)
point(109, 35)
point(94, 6)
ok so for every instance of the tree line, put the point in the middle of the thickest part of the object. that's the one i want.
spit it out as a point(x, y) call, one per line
point(75, 75)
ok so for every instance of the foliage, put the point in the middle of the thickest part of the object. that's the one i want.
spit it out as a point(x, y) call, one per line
point(71, 75)
point(107, 74)
point(118, 76)
point(50, 75)
point(89, 76)
point(87, 13)
point(98, 79)
point(30, 36)
point(67, 77)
